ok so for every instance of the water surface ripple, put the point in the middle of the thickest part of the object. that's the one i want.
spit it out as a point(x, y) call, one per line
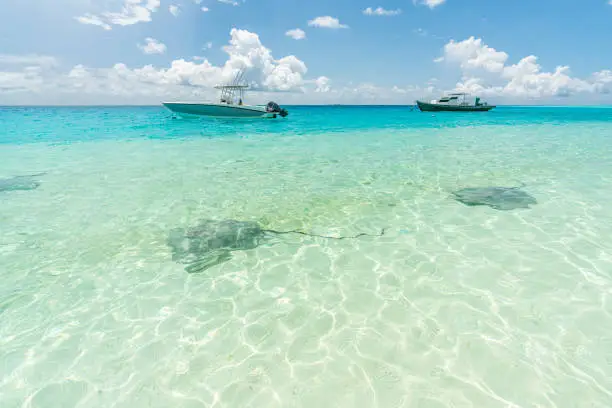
point(454, 306)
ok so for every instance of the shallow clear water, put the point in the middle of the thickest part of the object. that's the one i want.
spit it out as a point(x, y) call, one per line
point(455, 306)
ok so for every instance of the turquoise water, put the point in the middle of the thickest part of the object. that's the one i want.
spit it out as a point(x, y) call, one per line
point(454, 306)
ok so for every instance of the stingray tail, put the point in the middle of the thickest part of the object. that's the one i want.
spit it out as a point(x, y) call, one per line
point(362, 234)
point(32, 175)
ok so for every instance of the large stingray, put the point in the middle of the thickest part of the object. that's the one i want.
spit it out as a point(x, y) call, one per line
point(211, 242)
point(20, 183)
point(499, 198)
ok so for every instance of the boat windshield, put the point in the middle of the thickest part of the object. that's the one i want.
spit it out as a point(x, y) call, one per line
point(456, 99)
point(232, 94)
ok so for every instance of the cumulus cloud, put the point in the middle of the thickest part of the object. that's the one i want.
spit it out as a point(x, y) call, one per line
point(231, 2)
point(152, 46)
point(381, 12)
point(370, 93)
point(486, 72)
point(603, 80)
point(27, 80)
point(322, 84)
point(287, 74)
point(296, 34)
point(174, 10)
point(132, 12)
point(188, 79)
point(183, 77)
point(25, 73)
point(473, 53)
point(326, 22)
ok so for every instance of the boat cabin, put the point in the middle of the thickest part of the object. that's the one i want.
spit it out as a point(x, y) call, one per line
point(458, 99)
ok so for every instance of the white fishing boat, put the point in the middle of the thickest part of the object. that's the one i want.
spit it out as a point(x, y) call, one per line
point(230, 105)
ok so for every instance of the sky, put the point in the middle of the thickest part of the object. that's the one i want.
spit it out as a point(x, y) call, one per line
point(72, 52)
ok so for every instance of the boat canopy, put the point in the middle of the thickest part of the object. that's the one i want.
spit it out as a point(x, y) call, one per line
point(229, 91)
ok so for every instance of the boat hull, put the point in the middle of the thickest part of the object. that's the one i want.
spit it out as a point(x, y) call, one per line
point(435, 107)
point(218, 110)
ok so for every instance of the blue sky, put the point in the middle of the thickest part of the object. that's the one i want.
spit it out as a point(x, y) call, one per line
point(68, 50)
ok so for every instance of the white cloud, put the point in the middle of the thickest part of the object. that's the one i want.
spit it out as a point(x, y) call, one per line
point(323, 84)
point(205, 9)
point(486, 72)
point(93, 20)
point(246, 51)
point(527, 79)
point(603, 80)
point(296, 34)
point(472, 53)
point(208, 45)
point(133, 12)
point(34, 79)
point(432, 3)
point(152, 46)
point(368, 93)
point(182, 79)
point(381, 12)
point(26, 74)
point(174, 10)
point(286, 75)
point(232, 2)
point(326, 22)
point(27, 80)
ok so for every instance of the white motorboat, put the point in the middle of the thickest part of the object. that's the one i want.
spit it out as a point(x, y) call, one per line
point(230, 104)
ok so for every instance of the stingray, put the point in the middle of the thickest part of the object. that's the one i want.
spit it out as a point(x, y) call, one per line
point(211, 242)
point(20, 183)
point(499, 198)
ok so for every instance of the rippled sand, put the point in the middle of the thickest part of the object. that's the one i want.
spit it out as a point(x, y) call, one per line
point(454, 306)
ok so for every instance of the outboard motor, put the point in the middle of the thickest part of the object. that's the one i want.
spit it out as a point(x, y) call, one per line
point(272, 107)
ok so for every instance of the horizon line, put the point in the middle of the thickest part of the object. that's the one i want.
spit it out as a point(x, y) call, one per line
point(288, 105)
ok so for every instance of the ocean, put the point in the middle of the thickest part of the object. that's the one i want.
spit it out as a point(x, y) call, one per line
point(393, 293)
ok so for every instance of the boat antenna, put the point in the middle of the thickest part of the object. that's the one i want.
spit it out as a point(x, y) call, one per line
point(237, 83)
point(238, 77)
